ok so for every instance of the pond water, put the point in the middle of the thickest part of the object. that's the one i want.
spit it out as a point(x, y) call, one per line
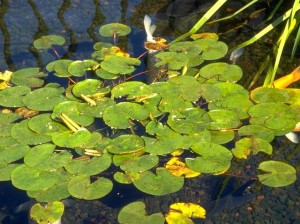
point(21, 22)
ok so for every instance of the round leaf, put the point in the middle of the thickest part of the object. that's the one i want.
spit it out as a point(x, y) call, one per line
point(28, 77)
point(46, 42)
point(112, 29)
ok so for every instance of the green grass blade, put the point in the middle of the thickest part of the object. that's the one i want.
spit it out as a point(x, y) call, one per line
point(201, 21)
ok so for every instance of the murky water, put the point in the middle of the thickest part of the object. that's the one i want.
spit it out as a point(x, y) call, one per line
point(78, 21)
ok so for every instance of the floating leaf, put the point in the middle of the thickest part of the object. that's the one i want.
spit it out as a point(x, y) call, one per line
point(46, 42)
point(265, 94)
point(30, 179)
point(214, 158)
point(278, 174)
point(81, 187)
point(221, 71)
point(188, 209)
point(119, 115)
point(135, 213)
point(60, 67)
point(126, 144)
point(245, 146)
point(52, 212)
point(223, 119)
point(5, 171)
point(71, 139)
point(112, 29)
point(89, 87)
point(13, 96)
point(119, 65)
point(79, 68)
point(186, 47)
point(256, 130)
point(211, 48)
point(28, 77)
point(89, 166)
point(175, 61)
point(126, 178)
point(140, 164)
point(105, 74)
point(23, 134)
point(43, 99)
point(161, 183)
point(178, 168)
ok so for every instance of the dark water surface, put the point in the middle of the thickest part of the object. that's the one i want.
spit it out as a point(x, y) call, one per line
point(22, 21)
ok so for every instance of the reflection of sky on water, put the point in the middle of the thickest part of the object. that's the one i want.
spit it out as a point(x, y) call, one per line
point(78, 21)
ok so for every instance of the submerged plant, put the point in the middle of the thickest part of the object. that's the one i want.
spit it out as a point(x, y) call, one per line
point(64, 150)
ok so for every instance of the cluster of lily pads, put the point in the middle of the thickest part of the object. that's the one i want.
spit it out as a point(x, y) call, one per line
point(61, 141)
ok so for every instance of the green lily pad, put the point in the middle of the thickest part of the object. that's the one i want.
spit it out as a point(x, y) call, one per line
point(214, 158)
point(126, 144)
point(134, 90)
point(223, 119)
point(278, 174)
point(278, 117)
point(119, 65)
point(48, 214)
point(256, 130)
point(100, 45)
point(175, 61)
point(95, 111)
point(211, 48)
point(89, 87)
point(140, 164)
point(81, 187)
point(11, 150)
point(126, 178)
point(72, 139)
point(42, 157)
point(89, 166)
point(112, 29)
point(265, 94)
point(60, 67)
point(6, 122)
point(28, 77)
point(5, 171)
point(221, 71)
point(43, 99)
point(79, 68)
point(23, 134)
point(161, 183)
point(71, 109)
point(187, 47)
point(30, 179)
point(44, 124)
point(106, 75)
point(191, 121)
point(119, 115)
point(222, 137)
point(245, 146)
point(13, 96)
point(46, 42)
point(135, 213)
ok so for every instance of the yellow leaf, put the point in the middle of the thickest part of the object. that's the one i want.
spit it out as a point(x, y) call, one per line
point(189, 209)
point(177, 152)
point(177, 218)
point(178, 168)
point(204, 36)
point(6, 76)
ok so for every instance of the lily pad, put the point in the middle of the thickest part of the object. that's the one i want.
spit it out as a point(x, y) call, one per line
point(52, 212)
point(221, 71)
point(89, 166)
point(256, 130)
point(135, 213)
point(79, 68)
point(265, 94)
point(211, 48)
point(60, 67)
point(43, 99)
point(175, 61)
point(89, 87)
point(245, 146)
point(140, 164)
point(5, 171)
point(278, 174)
point(72, 139)
point(119, 65)
point(46, 42)
point(106, 75)
point(126, 144)
point(28, 77)
point(13, 96)
point(119, 115)
point(161, 183)
point(112, 29)
point(187, 47)
point(223, 119)
point(214, 158)
point(81, 187)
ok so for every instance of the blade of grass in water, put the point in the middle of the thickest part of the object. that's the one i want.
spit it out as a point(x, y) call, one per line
point(202, 20)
